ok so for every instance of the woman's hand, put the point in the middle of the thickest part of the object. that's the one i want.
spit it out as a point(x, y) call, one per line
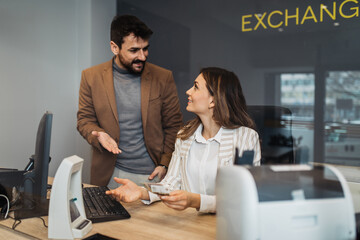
point(128, 191)
point(180, 200)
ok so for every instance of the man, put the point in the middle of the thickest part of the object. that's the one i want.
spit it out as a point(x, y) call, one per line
point(128, 109)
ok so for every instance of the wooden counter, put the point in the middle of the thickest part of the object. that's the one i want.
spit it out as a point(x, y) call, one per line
point(155, 221)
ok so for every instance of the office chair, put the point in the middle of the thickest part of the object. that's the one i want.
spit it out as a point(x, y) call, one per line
point(273, 124)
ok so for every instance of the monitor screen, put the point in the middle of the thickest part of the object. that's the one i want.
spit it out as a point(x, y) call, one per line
point(42, 155)
point(34, 201)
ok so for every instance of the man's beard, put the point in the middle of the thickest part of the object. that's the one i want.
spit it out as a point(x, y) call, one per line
point(129, 66)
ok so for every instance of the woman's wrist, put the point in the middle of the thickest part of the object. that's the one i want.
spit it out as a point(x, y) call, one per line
point(195, 200)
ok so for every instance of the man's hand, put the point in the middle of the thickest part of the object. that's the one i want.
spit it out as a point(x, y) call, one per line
point(180, 200)
point(159, 171)
point(128, 191)
point(107, 142)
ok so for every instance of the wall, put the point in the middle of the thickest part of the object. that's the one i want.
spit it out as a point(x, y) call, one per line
point(44, 45)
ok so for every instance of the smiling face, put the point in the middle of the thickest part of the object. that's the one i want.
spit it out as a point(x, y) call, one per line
point(133, 53)
point(200, 101)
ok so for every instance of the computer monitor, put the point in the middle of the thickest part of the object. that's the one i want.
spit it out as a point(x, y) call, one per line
point(42, 155)
point(34, 197)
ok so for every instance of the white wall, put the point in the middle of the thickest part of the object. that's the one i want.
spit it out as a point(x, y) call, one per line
point(44, 45)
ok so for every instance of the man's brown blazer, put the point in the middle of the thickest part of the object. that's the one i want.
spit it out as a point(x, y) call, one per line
point(160, 110)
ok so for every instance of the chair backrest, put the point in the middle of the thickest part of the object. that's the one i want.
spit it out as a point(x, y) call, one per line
point(273, 124)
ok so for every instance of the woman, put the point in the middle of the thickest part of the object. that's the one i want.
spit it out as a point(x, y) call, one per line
point(204, 144)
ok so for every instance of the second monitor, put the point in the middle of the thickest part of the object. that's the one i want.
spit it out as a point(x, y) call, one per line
point(33, 201)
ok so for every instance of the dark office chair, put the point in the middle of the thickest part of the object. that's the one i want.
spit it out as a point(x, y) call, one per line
point(273, 124)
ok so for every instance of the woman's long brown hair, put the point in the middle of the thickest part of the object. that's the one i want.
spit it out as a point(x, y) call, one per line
point(230, 106)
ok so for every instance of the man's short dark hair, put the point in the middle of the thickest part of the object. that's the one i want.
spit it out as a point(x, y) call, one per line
point(124, 25)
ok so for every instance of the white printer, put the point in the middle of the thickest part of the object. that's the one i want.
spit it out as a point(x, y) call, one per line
point(283, 202)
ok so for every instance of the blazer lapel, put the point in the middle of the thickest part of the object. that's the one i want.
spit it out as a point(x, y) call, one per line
point(145, 94)
point(109, 87)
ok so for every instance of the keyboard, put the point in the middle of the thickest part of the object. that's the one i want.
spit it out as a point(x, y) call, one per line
point(100, 207)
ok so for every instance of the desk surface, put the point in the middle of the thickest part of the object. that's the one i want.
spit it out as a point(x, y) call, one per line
point(155, 221)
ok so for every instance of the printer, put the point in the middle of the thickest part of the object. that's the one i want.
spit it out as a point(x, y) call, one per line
point(283, 202)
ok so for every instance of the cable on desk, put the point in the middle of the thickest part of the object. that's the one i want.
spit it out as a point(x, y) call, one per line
point(43, 220)
point(8, 205)
point(16, 223)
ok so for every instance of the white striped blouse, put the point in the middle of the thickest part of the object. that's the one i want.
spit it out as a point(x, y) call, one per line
point(178, 177)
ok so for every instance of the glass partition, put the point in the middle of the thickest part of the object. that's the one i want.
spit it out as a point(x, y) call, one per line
point(302, 55)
